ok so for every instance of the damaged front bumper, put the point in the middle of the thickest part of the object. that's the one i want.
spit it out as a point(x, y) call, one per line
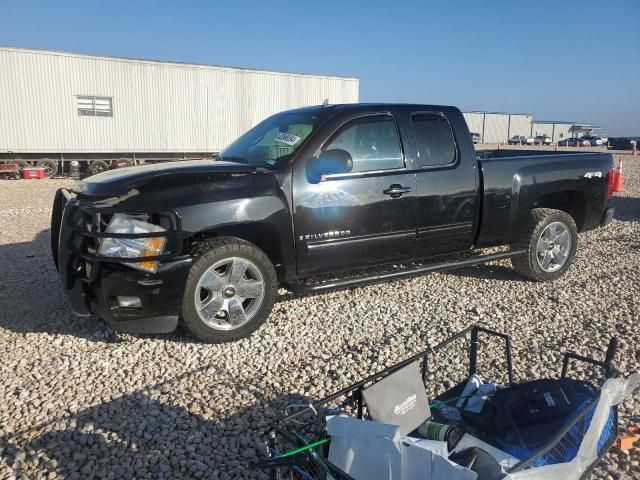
point(93, 283)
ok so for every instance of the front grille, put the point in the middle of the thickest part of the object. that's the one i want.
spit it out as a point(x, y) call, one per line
point(92, 222)
point(89, 223)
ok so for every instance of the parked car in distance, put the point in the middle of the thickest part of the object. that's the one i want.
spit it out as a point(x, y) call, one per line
point(573, 142)
point(542, 140)
point(475, 137)
point(308, 193)
point(592, 140)
point(520, 140)
point(623, 143)
point(605, 139)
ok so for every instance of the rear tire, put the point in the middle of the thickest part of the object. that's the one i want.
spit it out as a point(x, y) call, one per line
point(22, 164)
point(98, 166)
point(124, 162)
point(551, 240)
point(50, 167)
point(230, 290)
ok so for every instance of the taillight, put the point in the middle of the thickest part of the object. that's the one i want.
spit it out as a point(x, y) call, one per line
point(615, 182)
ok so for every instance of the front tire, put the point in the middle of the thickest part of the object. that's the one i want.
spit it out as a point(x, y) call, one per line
point(230, 290)
point(551, 240)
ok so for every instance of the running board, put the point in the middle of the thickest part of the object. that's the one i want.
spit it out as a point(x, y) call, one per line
point(302, 289)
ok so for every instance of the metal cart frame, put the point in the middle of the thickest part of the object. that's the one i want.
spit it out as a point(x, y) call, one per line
point(284, 429)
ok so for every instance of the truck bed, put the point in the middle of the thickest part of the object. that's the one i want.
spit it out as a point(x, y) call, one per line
point(515, 181)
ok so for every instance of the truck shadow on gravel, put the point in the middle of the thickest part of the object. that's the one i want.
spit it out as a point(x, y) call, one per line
point(32, 298)
point(627, 208)
point(489, 272)
point(137, 436)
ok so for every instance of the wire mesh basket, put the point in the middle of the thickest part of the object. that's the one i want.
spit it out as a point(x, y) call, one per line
point(297, 445)
point(565, 444)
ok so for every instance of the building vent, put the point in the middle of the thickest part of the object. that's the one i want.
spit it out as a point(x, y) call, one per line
point(95, 106)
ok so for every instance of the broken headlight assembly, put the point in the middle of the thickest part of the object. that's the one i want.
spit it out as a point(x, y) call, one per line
point(121, 248)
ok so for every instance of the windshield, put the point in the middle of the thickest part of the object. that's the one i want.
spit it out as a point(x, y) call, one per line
point(273, 141)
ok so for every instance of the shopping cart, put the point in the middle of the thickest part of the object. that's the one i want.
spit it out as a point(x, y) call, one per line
point(297, 446)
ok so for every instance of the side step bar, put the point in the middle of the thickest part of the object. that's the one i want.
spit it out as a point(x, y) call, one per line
point(301, 289)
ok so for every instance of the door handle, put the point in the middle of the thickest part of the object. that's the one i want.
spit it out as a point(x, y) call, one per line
point(396, 190)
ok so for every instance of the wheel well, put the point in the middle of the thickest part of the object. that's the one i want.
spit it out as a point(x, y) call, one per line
point(264, 236)
point(572, 202)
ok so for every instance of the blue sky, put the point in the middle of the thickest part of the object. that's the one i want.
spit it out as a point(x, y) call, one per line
point(559, 60)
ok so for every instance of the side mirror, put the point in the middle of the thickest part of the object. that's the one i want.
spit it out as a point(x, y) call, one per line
point(329, 162)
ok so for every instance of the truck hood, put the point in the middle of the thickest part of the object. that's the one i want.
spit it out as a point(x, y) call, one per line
point(120, 181)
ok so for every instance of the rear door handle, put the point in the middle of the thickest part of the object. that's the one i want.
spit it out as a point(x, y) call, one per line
point(396, 190)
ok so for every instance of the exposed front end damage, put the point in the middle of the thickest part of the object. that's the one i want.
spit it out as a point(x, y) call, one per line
point(130, 299)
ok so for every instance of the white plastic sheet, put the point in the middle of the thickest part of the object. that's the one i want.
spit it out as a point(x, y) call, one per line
point(365, 449)
point(369, 450)
point(427, 459)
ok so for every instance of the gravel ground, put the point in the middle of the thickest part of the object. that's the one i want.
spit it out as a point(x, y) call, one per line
point(80, 401)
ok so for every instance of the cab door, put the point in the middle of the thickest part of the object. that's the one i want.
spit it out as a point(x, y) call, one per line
point(447, 187)
point(358, 217)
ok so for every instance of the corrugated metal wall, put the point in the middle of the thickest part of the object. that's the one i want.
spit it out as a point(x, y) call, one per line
point(157, 107)
point(475, 122)
point(556, 131)
point(562, 131)
point(498, 127)
point(520, 125)
point(542, 129)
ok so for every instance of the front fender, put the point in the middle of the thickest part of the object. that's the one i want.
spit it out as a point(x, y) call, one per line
point(263, 220)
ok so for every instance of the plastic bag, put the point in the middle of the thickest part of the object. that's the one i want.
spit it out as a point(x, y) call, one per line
point(370, 450)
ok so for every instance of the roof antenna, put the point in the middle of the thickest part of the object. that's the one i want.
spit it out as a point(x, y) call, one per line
point(325, 103)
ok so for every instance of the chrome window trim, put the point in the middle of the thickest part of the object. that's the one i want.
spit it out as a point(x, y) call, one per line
point(456, 159)
point(332, 136)
point(368, 173)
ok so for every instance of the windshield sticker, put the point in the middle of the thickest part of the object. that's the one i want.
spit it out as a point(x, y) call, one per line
point(287, 138)
point(271, 162)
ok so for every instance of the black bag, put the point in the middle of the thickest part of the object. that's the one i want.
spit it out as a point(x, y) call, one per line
point(479, 461)
point(521, 418)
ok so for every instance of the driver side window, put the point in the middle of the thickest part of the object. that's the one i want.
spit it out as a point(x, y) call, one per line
point(372, 142)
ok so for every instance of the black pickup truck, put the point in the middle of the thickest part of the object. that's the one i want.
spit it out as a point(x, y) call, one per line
point(310, 192)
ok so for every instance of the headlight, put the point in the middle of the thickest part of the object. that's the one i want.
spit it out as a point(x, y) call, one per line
point(133, 247)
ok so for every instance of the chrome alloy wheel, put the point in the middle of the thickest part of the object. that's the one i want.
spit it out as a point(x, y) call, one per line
point(553, 247)
point(229, 293)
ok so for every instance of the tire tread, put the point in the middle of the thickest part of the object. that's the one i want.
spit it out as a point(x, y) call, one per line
point(229, 246)
point(525, 264)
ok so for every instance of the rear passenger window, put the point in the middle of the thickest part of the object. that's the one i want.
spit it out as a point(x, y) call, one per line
point(372, 142)
point(434, 139)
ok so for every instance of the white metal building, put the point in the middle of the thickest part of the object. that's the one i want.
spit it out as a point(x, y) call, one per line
point(56, 102)
point(558, 130)
point(494, 127)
